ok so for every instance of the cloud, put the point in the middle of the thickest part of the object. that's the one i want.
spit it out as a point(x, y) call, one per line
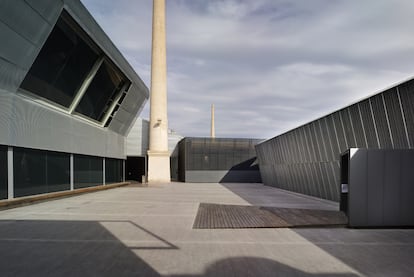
point(267, 65)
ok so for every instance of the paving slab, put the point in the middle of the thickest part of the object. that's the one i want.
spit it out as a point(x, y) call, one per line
point(147, 231)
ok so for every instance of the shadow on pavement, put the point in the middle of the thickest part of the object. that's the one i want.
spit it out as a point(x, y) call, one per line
point(253, 266)
point(66, 248)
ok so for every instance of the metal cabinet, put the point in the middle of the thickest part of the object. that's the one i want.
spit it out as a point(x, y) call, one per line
point(377, 187)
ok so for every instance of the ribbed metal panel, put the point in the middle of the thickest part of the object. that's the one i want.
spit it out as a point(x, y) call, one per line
point(407, 101)
point(357, 125)
point(368, 122)
point(306, 159)
point(380, 117)
point(339, 131)
point(349, 132)
point(395, 118)
point(332, 135)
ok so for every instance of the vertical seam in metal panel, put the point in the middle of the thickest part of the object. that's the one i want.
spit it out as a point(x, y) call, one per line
point(352, 126)
point(317, 164)
point(375, 124)
point(329, 137)
point(323, 142)
point(388, 121)
point(403, 117)
point(317, 142)
point(72, 171)
point(363, 127)
point(336, 133)
point(343, 129)
point(10, 173)
point(328, 187)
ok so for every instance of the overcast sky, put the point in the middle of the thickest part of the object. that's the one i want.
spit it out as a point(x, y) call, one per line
point(267, 65)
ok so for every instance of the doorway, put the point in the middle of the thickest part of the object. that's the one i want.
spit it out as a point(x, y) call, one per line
point(135, 168)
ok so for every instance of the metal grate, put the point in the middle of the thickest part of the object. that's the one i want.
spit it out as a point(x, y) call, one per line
point(216, 216)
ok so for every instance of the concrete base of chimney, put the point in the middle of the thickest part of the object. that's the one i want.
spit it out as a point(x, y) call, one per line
point(159, 167)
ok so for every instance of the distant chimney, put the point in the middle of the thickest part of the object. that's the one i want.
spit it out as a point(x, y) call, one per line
point(213, 130)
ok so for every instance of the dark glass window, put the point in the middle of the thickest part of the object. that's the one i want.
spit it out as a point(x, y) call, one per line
point(62, 64)
point(3, 172)
point(88, 171)
point(37, 171)
point(113, 171)
point(102, 91)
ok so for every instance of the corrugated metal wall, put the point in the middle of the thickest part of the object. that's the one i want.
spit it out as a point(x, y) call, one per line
point(306, 159)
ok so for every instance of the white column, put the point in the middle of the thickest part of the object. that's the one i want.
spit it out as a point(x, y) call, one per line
point(158, 155)
point(10, 176)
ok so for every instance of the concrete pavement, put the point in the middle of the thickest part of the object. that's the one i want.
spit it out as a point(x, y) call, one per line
point(147, 231)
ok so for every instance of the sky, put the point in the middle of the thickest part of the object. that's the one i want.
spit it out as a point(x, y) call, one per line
point(268, 66)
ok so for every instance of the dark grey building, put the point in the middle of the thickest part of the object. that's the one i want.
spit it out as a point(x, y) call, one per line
point(307, 159)
point(210, 160)
point(68, 98)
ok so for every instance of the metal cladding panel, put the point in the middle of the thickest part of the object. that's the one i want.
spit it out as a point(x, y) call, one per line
point(407, 188)
point(332, 135)
point(395, 118)
point(10, 76)
point(356, 122)
point(357, 212)
point(368, 124)
point(20, 17)
point(15, 48)
point(407, 100)
point(315, 141)
point(48, 9)
point(30, 125)
point(391, 194)
point(326, 140)
point(137, 141)
point(380, 117)
point(378, 192)
point(349, 132)
point(375, 192)
point(339, 132)
point(321, 139)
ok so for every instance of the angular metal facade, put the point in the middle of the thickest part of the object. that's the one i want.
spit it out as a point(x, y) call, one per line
point(306, 159)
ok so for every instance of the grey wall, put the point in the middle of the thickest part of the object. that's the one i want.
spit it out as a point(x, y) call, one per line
point(27, 122)
point(381, 188)
point(306, 159)
point(212, 160)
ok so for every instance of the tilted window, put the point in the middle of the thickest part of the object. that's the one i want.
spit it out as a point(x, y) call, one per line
point(63, 66)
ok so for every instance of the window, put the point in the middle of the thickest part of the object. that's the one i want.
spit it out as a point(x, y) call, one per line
point(88, 171)
point(59, 73)
point(101, 93)
point(37, 171)
point(62, 64)
point(113, 171)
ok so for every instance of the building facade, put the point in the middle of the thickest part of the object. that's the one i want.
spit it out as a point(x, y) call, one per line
point(307, 159)
point(68, 98)
point(211, 160)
